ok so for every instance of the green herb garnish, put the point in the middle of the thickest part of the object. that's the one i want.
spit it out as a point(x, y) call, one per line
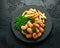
point(19, 21)
point(26, 31)
point(34, 29)
point(32, 20)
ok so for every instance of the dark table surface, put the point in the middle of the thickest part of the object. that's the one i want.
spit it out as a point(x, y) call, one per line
point(9, 40)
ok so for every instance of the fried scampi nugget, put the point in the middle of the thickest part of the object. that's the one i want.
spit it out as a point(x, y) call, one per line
point(29, 30)
point(35, 24)
point(41, 29)
point(28, 35)
point(23, 27)
point(35, 35)
point(30, 24)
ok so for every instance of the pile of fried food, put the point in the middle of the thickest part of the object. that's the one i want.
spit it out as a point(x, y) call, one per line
point(35, 29)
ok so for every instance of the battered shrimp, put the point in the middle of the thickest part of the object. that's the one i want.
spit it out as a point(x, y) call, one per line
point(23, 33)
point(42, 25)
point(35, 24)
point(39, 34)
point(35, 36)
point(28, 35)
point(29, 30)
point(23, 27)
point(41, 29)
point(29, 24)
point(37, 30)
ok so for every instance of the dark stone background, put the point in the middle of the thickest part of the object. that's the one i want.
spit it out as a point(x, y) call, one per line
point(9, 40)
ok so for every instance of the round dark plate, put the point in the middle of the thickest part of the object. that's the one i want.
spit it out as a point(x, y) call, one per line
point(47, 27)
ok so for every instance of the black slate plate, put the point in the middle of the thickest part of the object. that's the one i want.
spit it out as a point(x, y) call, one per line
point(48, 26)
